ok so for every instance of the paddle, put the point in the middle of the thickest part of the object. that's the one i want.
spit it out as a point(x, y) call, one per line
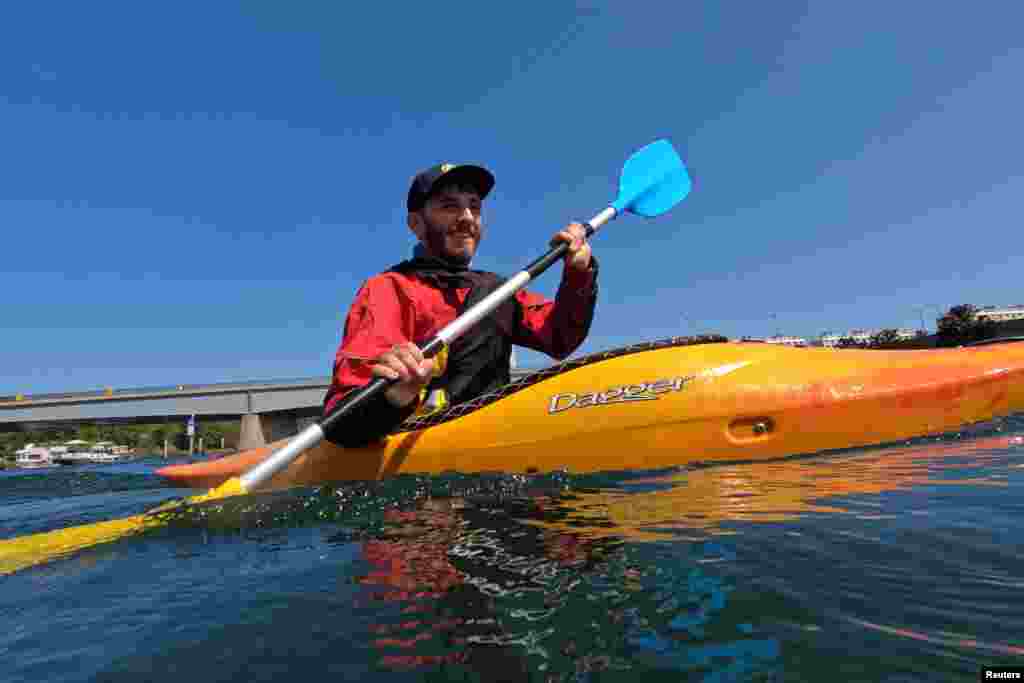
point(653, 181)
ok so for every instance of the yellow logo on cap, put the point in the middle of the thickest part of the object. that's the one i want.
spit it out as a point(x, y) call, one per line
point(447, 167)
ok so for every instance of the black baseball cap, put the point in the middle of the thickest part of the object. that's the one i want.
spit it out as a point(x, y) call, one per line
point(427, 181)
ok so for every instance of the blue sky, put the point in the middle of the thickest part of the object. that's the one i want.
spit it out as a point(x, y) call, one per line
point(193, 192)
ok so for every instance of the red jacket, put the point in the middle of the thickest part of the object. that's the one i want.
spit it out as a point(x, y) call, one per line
point(391, 308)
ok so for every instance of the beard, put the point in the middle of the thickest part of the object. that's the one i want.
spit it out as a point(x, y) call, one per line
point(437, 240)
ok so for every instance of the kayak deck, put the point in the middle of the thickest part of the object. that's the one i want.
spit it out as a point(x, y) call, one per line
point(674, 402)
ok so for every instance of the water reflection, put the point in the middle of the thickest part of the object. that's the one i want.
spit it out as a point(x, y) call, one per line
point(703, 500)
point(481, 588)
point(473, 588)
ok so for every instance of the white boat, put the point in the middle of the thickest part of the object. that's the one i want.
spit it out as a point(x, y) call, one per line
point(78, 457)
point(108, 451)
point(102, 452)
point(77, 452)
point(59, 455)
point(33, 457)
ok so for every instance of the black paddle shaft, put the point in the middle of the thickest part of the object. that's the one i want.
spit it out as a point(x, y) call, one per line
point(556, 252)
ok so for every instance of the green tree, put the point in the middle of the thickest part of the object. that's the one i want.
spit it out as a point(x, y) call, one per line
point(961, 325)
point(157, 436)
point(884, 339)
point(920, 340)
point(125, 435)
point(180, 440)
point(130, 438)
point(211, 435)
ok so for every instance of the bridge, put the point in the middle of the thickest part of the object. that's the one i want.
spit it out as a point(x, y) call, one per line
point(268, 410)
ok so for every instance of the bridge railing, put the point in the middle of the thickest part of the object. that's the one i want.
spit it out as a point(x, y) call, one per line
point(173, 388)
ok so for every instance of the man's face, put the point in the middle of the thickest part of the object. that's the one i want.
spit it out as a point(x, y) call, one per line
point(449, 225)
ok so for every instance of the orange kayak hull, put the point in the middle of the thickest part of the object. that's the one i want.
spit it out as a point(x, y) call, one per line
point(674, 403)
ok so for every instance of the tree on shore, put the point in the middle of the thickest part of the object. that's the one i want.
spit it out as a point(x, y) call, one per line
point(146, 438)
point(885, 339)
point(961, 325)
point(89, 432)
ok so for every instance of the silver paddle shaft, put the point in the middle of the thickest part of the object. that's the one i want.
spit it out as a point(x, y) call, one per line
point(278, 460)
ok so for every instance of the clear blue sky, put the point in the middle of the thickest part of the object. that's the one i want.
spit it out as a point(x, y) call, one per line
point(193, 192)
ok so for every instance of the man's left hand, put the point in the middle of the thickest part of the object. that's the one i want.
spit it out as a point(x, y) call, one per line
point(578, 256)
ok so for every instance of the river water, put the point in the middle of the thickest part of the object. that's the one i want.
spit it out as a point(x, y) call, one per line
point(901, 563)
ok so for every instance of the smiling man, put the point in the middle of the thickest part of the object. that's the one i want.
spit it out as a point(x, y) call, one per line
point(397, 311)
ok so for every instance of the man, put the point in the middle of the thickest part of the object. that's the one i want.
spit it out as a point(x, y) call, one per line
point(398, 310)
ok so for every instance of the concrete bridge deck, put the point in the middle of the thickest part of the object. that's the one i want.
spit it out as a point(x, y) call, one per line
point(268, 409)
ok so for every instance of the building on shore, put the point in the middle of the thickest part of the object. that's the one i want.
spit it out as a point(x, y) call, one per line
point(786, 340)
point(862, 336)
point(859, 336)
point(1000, 314)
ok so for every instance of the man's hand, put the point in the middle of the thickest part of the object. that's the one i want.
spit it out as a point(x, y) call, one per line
point(578, 256)
point(404, 362)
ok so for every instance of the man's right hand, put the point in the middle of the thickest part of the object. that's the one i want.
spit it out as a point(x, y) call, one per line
point(404, 362)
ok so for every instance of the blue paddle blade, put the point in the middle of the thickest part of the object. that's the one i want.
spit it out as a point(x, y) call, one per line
point(653, 180)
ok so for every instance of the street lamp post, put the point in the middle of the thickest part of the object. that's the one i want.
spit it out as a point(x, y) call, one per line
point(921, 311)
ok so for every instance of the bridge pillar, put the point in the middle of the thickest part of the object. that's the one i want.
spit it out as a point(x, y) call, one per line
point(251, 435)
point(260, 429)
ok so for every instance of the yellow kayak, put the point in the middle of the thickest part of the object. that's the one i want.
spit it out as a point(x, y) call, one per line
point(675, 402)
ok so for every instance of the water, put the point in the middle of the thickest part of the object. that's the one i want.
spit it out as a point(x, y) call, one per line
point(901, 563)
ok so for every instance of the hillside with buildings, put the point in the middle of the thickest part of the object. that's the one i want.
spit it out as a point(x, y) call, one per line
point(963, 323)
